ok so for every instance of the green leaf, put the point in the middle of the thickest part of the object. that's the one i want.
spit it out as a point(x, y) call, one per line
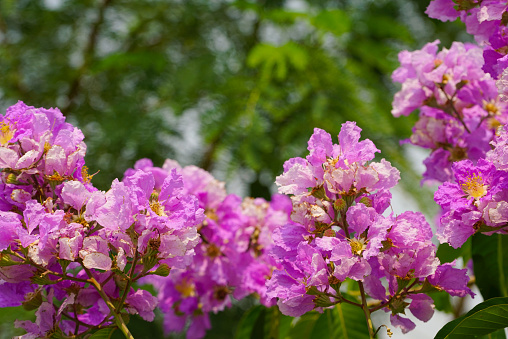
point(441, 301)
point(274, 59)
point(343, 321)
point(446, 253)
point(105, 333)
point(334, 21)
point(8, 315)
point(249, 319)
point(490, 260)
point(284, 325)
point(487, 317)
point(272, 317)
point(297, 55)
point(263, 322)
point(499, 334)
point(304, 326)
point(283, 17)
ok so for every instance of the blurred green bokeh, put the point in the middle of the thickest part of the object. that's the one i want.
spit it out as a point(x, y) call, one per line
point(235, 87)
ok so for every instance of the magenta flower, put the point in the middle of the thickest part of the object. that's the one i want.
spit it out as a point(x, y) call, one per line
point(459, 104)
point(476, 197)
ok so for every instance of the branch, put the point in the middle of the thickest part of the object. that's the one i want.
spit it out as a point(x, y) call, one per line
point(88, 54)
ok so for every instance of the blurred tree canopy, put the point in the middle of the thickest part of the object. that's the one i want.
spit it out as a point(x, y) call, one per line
point(225, 85)
point(235, 87)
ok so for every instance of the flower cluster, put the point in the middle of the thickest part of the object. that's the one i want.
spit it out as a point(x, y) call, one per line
point(486, 20)
point(459, 104)
point(477, 201)
point(71, 251)
point(340, 233)
point(231, 258)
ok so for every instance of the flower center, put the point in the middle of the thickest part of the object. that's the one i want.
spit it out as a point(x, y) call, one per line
point(186, 288)
point(213, 251)
point(490, 106)
point(6, 133)
point(357, 246)
point(474, 186)
point(157, 208)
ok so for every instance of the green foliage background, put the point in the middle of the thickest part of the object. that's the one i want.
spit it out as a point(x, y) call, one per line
point(255, 77)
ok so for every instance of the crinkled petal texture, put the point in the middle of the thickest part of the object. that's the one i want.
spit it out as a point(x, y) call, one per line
point(443, 10)
point(296, 306)
point(499, 155)
point(422, 306)
point(456, 226)
point(360, 217)
point(10, 223)
point(351, 149)
point(320, 147)
point(411, 230)
point(95, 253)
point(143, 303)
point(114, 209)
point(452, 280)
point(404, 324)
point(75, 194)
point(297, 179)
point(141, 184)
point(13, 294)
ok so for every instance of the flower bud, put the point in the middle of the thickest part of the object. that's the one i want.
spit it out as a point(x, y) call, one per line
point(323, 301)
point(32, 300)
point(319, 192)
point(398, 305)
point(366, 201)
point(12, 179)
point(339, 204)
point(163, 270)
point(42, 279)
point(329, 233)
point(7, 260)
point(64, 264)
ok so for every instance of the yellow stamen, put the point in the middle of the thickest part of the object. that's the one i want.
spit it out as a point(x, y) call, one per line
point(6, 133)
point(357, 246)
point(490, 106)
point(157, 208)
point(47, 147)
point(55, 177)
point(186, 288)
point(87, 177)
point(210, 214)
point(493, 123)
point(474, 186)
point(446, 78)
point(213, 251)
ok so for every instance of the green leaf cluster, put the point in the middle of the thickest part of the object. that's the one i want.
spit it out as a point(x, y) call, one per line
point(341, 321)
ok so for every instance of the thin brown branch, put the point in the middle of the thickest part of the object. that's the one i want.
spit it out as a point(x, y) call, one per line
point(88, 54)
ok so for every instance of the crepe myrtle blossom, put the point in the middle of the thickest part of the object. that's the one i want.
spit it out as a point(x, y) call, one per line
point(90, 241)
point(339, 234)
point(477, 200)
point(486, 21)
point(38, 151)
point(66, 246)
point(231, 259)
point(498, 156)
point(459, 106)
